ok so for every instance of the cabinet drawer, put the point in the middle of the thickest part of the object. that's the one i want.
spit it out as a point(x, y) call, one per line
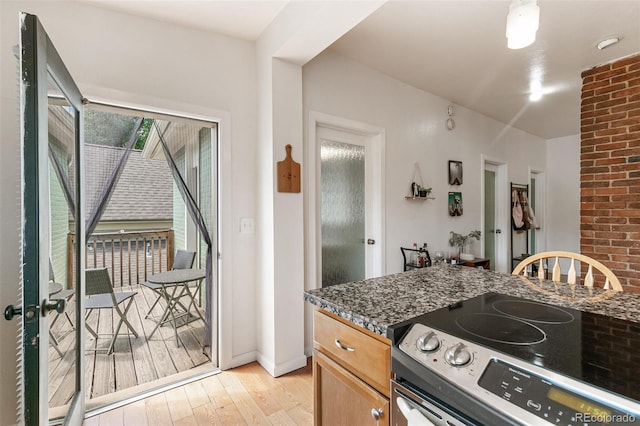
point(363, 355)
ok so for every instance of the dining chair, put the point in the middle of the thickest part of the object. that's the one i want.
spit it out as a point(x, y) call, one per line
point(596, 270)
point(100, 295)
point(183, 260)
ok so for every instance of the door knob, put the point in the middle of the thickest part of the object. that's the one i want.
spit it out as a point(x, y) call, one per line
point(498, 231)
point(371, 241)
point(11, 311)
point(49, 305)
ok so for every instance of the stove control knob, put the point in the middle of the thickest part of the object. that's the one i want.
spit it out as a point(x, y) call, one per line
point(428, 342)
point(458, 355)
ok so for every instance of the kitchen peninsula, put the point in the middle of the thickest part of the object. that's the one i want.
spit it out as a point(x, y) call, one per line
point(352, 353)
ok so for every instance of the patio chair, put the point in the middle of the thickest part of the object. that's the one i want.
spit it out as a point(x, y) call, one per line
point(100, 295)
point(65, 294)
point(183, 260)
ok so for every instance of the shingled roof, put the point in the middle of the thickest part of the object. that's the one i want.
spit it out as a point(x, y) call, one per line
point(144, 190)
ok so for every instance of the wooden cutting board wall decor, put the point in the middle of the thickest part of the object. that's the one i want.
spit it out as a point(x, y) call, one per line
point(288, 173)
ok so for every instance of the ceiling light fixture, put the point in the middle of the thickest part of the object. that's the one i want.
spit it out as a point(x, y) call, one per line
point(522, 23)
point(608, 42)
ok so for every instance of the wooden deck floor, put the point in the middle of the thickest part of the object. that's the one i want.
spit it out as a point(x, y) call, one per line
point(246, 395)
point(135, 361)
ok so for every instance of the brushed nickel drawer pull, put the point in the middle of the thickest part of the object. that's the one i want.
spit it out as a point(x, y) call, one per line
point(343, 347)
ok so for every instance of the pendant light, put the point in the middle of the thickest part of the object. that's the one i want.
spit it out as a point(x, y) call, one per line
point(522, 23)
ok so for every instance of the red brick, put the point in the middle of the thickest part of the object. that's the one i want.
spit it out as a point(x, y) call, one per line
point(594, 127)
point(624, 197)
point(595, 199)
point(593, 227)
point(627, 152)
point(611, 235)
point(629, 78)
point(606, 74)
point(594, 184)
point(601, 169)
point(625, 213)
point(626, 137)
point(617, 220)
point(628, 183)
point(609, 206)
point(604, 104)
point(607, 132)
point(591, 86)
point(610, 176)
point(626, 228)
point(622, 105)
point(626, 93)
point(631, 60)
point(610, 191)
point(611, 146)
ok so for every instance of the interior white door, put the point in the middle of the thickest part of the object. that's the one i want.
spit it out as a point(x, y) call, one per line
point(495, 204)
point(350, 216)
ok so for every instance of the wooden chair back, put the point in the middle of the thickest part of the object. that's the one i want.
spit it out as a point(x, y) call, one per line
point(538, 260)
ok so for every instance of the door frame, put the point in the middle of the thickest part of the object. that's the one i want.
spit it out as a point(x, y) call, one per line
point(502, 223)
point(40, 59)
point(540, 198)
point(313, 244)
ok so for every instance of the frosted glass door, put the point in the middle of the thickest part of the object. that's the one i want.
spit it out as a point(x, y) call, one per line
point(342, 185)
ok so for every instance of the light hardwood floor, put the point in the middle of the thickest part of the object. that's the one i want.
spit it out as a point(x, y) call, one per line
point(135, 361)
point(246, 395)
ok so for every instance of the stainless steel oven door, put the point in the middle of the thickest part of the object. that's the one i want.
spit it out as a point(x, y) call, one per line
point(408, 408)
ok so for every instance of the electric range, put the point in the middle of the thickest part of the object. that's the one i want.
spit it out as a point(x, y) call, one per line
point(498, 359)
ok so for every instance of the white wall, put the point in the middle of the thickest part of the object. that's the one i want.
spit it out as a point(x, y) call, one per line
point(138, 61)
point(415, 131)
point(563, 194)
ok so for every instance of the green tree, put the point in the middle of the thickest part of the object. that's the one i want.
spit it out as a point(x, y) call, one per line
point(144, 133)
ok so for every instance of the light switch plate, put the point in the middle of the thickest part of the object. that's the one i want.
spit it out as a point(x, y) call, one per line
point(247, 225)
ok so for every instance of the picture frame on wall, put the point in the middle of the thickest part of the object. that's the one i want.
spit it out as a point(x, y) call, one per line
point(455, 204)
point(455, 172)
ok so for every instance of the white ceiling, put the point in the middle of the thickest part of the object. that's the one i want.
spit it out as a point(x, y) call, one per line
point(454, 49)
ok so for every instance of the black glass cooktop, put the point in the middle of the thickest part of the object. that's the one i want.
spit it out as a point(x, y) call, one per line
point(599, 350)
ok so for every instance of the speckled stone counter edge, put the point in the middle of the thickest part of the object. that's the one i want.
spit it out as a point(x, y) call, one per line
point(377, 303)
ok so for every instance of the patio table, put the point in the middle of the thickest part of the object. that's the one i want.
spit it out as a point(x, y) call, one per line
point(175, 286)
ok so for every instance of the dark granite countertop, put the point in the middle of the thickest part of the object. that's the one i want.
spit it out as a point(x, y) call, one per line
point(377, 303)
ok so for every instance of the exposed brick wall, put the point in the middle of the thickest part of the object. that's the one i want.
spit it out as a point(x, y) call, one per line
point(610, 168)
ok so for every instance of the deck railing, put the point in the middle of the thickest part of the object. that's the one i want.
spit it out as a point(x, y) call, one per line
point(131, 257)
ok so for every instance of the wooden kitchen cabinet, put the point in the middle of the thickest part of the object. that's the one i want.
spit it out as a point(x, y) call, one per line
point(340, 398)
point(351, 373)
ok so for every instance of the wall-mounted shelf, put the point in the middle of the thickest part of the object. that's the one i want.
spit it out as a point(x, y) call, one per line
point(419, 198)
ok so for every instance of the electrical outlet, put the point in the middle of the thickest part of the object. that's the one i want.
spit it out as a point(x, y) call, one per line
point(247, 225)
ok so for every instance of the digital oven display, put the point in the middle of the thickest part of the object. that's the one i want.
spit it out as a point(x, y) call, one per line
point(542, 398)
point(577, 403)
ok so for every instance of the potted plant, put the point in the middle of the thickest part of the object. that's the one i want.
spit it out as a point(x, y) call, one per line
point(461, 242)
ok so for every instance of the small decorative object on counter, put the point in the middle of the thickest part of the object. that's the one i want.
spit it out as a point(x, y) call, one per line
point(461, 242)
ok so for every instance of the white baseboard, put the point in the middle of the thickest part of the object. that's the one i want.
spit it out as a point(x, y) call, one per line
point(283, 368)
point(238, 360)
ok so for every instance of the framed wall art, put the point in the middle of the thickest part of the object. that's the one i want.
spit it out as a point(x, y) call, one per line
point(455, 204)
point(455, 172)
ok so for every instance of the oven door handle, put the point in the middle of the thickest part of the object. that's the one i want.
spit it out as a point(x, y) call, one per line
point(413, 416)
